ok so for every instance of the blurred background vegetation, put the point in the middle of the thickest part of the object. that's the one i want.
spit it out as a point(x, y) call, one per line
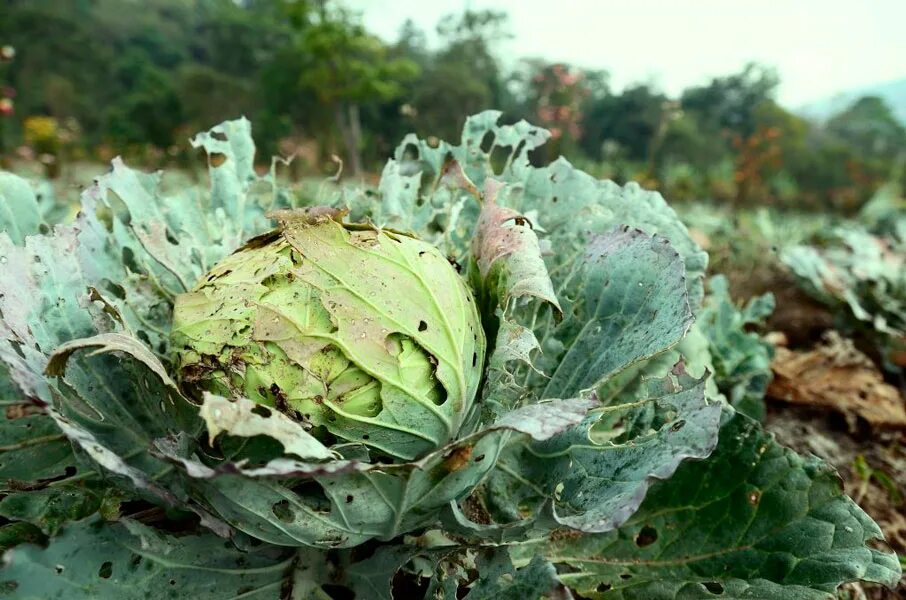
point(84, 80)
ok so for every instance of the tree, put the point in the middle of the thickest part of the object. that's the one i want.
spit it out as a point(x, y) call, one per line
point(729, 103)
point(631, 119)
point(343, 67)
point(461, 78)
point(870, 127)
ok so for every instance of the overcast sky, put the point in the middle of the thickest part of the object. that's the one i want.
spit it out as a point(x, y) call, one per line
point(819, 47)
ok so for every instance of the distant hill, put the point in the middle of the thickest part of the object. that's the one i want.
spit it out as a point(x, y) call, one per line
point(893, 92)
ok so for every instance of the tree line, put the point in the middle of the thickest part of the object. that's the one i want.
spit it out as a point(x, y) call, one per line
point(90, 78)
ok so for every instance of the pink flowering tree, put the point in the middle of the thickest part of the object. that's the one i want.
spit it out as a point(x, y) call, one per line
point(7, 93)
point(558, 92)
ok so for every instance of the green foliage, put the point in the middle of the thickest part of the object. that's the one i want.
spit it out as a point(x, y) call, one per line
point(593, 396)
point(741, 359)
point(730, 102)
point(869, 127)
point(318, 84)
point(630, 119)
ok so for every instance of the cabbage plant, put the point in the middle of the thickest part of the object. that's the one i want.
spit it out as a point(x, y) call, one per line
point(861, 277)
point(483, 378)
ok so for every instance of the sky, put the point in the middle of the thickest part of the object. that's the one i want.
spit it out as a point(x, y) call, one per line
point(819, 47)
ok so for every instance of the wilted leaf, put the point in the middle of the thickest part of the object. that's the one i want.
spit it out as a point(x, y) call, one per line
point(244, 418)
point(836, 375)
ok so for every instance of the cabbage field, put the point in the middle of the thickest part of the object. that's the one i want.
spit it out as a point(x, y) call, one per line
point(480, 375)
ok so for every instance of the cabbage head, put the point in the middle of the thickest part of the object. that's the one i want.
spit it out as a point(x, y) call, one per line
point(360, 334)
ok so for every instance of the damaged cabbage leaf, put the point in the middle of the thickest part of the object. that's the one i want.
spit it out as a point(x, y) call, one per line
point(19, 212)
point(755, 520)
point(93, 559)
point(624, 302)
point(351, 501)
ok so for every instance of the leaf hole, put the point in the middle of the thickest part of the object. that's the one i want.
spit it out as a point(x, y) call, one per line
point(219, 135)
point(216, 159)
point(422, 326)
point(646, 536)
point(262, 411)
point(678, 425)
point(338, 592)
point(349, 498)
point(487, 142)
point(714, 587)
point(106, 570)
point(499, 157)
point(283, 511)
point(17, 348)
point(625, 576)
point(118, 208)
point(603, 587)
point(129, 260)
point(410, 152)
point(479, 458)
point(115, 289)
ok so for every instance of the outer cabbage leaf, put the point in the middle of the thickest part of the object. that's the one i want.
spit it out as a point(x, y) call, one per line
point(352, 501)
point(624, 303)
point(44, 481)
point(20, 215)
point(754, 520)
point(128, 560)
